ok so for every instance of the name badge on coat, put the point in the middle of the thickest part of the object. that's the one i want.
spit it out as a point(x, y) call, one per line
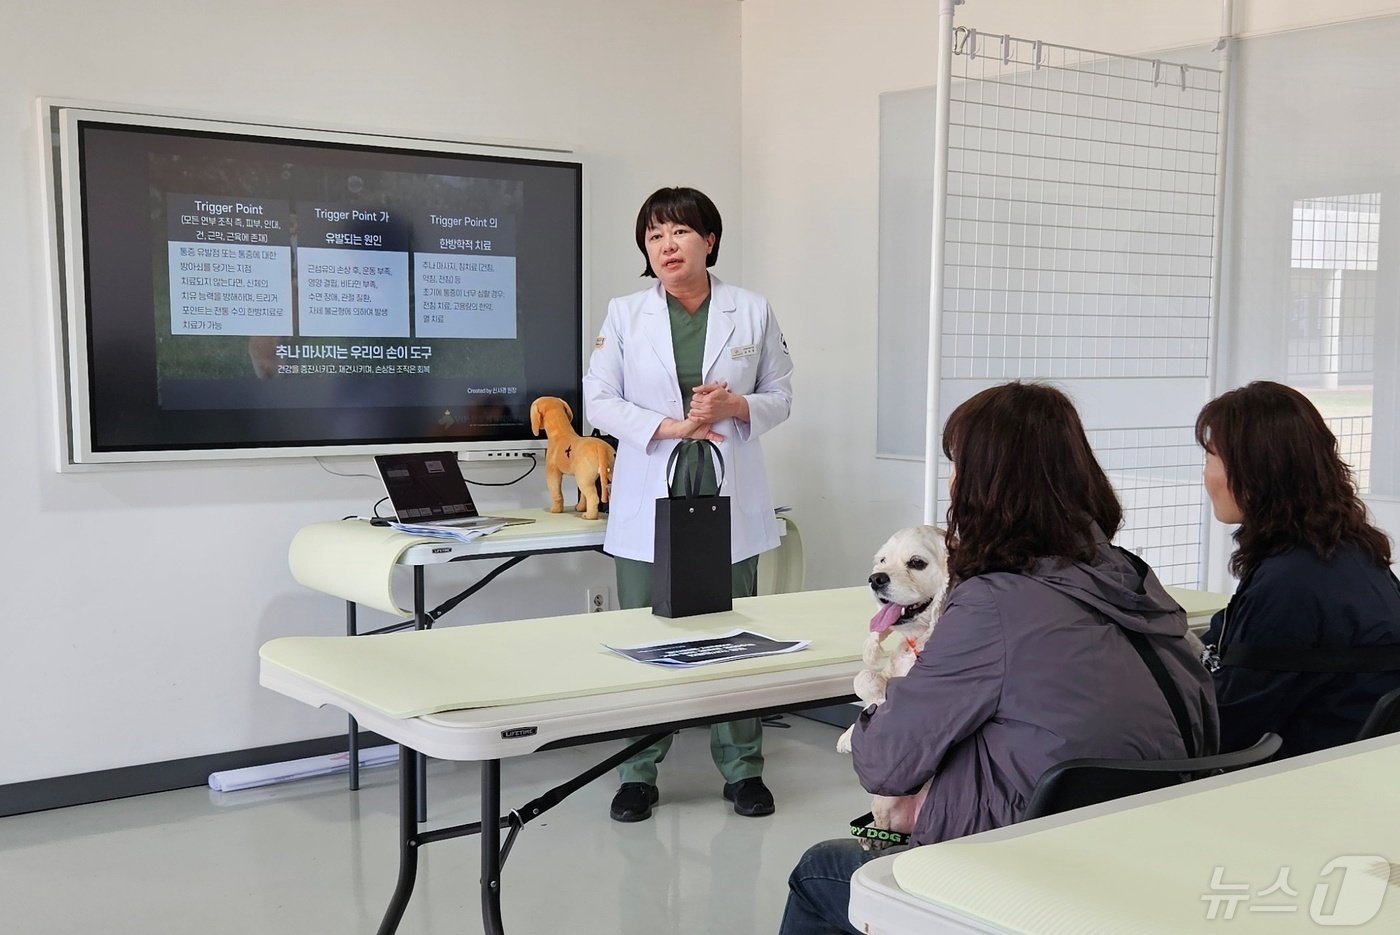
point(738, 353)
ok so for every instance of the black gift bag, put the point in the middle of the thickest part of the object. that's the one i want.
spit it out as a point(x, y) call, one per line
point(691, 566)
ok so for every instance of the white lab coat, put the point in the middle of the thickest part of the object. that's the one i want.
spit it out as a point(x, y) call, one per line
point(631, 386)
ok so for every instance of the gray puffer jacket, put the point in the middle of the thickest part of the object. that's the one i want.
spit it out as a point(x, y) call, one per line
point(1021, 672)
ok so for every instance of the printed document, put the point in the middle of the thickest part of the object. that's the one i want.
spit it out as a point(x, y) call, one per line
point(461, 533)
point(704, 650)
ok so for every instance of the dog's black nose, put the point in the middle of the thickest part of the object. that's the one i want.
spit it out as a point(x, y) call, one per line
point(879, 580)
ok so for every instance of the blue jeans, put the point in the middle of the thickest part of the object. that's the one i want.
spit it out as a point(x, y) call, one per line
point(819, 888)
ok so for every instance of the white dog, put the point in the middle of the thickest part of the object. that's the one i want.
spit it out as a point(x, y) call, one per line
point(909, 580)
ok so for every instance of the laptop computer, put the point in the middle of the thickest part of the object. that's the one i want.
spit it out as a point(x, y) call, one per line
point(426, 488)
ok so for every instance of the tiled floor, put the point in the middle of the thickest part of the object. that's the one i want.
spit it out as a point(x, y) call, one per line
point(310, 857)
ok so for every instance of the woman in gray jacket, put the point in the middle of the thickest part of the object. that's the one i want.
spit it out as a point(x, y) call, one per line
point(1031, 661)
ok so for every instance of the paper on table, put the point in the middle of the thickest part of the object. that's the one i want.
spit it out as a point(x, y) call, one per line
point(462, 533)
point(723, 647)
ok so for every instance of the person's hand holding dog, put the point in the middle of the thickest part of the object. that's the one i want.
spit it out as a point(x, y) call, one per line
point(712, 402)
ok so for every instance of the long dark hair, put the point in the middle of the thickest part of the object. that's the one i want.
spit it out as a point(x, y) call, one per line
point(688, 206)
point(1026, 485)
point(1286, 476)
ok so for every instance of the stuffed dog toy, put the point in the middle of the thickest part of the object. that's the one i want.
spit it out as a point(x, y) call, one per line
point(589, 460)
point(909, 581)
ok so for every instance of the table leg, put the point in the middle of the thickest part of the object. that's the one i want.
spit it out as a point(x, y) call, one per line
point(411, 839)
point(408, 841)
point(353, 742)
point(421, 621)
point(491, 847)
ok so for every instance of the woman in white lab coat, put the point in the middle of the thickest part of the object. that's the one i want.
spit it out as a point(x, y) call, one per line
point(690, 357)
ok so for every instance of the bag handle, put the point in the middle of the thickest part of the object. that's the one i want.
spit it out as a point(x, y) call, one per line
point(1176, 701)
point(693, 476)
point(1169, 689)
point(1377, 658)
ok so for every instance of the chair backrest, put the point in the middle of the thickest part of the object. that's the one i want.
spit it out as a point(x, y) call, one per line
point(1089, 781)
point(1384, 717)
point(782, 570)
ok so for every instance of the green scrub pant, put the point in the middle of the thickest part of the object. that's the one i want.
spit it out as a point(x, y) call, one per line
point(737, 746)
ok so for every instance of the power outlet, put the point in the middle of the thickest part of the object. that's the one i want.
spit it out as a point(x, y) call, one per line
point(598, 600)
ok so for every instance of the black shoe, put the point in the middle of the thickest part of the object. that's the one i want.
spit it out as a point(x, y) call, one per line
point(633, 801)
point(751, 797)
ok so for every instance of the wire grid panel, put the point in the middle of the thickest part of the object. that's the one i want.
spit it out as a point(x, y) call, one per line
point(1080, 215)
point(1354, 445)
point(1334, 256)
point(1157, 475)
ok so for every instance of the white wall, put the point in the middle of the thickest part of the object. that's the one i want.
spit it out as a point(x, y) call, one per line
point(813, 73)
point(139, 597)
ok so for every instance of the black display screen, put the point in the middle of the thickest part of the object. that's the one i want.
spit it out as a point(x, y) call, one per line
point(254, 291)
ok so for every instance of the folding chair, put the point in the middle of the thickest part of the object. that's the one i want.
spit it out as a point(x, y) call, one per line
point(1088, 781)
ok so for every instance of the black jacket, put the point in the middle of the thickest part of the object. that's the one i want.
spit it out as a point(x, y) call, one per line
point(1298, 600)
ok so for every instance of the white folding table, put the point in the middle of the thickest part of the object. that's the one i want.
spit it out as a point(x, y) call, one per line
point(490, 691)
point(440, 698)
point(1298, 845)
point(355, 561)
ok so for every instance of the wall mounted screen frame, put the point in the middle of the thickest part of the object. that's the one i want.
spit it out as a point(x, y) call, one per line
point(237, 290)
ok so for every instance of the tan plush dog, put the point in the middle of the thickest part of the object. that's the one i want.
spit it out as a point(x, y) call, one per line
point(589, 460)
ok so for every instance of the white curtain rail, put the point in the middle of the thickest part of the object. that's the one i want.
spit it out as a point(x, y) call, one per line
point(1012, 50)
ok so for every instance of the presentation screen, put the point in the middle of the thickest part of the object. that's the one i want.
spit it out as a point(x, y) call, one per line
point(245, 291)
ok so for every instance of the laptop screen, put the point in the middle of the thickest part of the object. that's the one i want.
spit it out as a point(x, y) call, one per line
point(425, 485)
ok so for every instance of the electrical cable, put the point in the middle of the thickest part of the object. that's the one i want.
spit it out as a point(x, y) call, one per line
point(338, 474)
point(534, 462)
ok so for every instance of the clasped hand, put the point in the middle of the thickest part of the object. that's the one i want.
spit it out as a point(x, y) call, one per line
point(711, 403)
point(688, 428)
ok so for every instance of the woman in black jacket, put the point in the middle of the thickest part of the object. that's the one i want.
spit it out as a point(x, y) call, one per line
point(1311, 638)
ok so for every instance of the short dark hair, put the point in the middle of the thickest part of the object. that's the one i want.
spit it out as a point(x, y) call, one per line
point(1027, 484)
point(1286, 475)
point(688, 206)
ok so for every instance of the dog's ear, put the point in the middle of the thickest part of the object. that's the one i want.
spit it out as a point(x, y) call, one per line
point(535, 415)
point(937, 539)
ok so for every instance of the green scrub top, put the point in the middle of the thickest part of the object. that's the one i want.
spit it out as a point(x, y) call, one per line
point(688, 347)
